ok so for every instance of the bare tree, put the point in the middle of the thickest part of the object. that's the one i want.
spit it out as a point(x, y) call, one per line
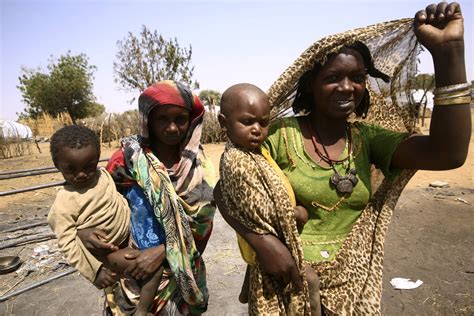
point(147, 58)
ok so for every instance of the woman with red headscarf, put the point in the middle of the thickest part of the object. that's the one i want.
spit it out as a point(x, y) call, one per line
point(168, 182)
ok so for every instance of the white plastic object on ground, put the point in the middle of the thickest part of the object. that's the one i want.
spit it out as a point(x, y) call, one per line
point(405, 284)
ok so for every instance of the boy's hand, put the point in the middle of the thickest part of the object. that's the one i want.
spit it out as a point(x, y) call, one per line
point(105, 278)
point(146, 262)
point(93, 239)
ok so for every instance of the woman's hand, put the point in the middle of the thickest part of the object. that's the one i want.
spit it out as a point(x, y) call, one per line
point(439, 26)
point(105, 278)
point(277, 261)
point(146, 262)
point(302, 217)
point(272, 254)
point(93, 240)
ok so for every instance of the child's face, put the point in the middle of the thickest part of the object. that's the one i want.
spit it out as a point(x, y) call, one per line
point(246, 124)
point(169, 124)
point(78, 165)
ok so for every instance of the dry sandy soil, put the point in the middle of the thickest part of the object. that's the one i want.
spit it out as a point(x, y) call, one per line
point(430, 238)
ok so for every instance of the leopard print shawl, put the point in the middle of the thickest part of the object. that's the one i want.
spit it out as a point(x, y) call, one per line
point(255, 195)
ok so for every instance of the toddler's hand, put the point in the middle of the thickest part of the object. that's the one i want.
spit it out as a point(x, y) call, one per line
point(105, 278)
point(301, 215)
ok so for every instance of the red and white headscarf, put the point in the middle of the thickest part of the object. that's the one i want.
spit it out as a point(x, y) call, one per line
point(167, 92)
point(170, 92)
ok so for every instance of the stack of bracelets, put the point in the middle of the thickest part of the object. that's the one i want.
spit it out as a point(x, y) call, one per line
point(453, 95)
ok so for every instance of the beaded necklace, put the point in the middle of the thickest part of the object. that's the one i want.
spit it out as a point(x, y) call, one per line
point(344, 184)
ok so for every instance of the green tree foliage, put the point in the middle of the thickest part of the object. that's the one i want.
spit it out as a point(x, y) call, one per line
point(94, 109)
point(65, 87)
point(425, 82)
point(210, 98)
point(147, 58)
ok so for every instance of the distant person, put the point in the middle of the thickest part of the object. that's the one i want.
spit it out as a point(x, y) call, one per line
point(256, 194)
point(89, 200)
point(327, 151)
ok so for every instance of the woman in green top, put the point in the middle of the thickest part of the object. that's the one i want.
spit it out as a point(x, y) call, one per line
point(328, 160)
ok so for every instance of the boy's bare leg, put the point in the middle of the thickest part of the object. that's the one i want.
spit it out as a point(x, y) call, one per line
point(313, 284)
point(244, 292)
point(147, 293)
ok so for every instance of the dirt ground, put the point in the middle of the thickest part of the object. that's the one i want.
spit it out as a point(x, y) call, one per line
point(430, 238)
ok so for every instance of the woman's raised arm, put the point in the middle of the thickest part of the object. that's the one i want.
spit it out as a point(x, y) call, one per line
point(440, 29)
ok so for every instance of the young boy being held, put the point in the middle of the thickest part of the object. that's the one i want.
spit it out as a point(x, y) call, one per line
point(255, 194)
point(89, 199)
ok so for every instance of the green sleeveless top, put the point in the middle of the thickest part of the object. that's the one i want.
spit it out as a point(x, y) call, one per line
point(331, 216)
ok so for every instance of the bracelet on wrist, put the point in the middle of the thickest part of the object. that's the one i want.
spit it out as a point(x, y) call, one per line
point(452, 88)
point(453, 94)
point(452, 101)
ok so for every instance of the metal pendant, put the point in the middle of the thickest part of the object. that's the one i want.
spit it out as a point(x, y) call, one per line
point(353, 178)
point(345, 186)
point(335, 178)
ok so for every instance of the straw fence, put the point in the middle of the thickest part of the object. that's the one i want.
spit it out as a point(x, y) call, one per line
point(110, 127)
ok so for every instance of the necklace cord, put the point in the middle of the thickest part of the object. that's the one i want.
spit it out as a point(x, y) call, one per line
point(325, 157)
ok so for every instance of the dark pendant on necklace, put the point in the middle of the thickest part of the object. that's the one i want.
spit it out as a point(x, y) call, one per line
point(335, 178)
point(345, 184)
point(352, 176)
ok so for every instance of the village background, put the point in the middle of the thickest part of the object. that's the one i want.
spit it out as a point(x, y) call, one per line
point(430, 237)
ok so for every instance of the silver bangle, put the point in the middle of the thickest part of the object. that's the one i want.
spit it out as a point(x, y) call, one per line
point(452, 88)
point(461, 93)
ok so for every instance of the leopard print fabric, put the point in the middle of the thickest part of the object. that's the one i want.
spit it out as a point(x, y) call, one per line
point(394, 50)
point(352, 282)
point(255, 195)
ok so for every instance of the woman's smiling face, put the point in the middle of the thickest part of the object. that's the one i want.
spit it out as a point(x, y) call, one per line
point(339, 86)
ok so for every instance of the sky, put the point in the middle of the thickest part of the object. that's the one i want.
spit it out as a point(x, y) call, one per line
point(232, 41)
